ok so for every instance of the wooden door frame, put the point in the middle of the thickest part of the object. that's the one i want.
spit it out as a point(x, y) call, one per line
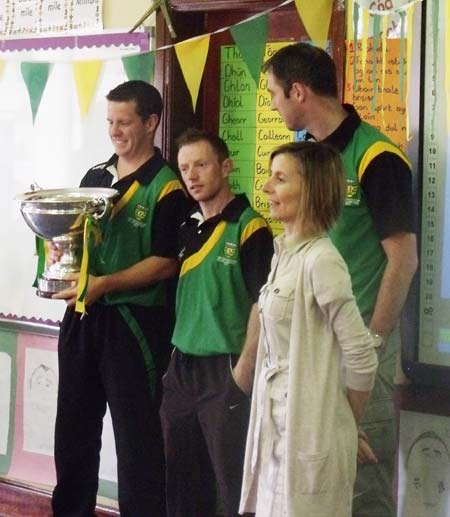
point(191, 18)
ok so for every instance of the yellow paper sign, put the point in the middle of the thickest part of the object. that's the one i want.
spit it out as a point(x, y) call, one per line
point(390, 113)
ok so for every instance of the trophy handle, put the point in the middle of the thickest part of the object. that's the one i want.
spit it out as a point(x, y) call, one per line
point(35, 187)
point(103, 204)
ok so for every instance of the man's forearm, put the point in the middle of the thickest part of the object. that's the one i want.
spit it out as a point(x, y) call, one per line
point(397, 277)
point(146, 272)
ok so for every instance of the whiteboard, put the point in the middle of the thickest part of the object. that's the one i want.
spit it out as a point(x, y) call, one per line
point(55, 151)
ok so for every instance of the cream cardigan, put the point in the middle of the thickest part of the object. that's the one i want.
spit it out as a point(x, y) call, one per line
point(327, 333)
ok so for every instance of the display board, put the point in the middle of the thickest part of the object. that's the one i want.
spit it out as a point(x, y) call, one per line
point(248, 125)
point(434, 336)
point(428, 361)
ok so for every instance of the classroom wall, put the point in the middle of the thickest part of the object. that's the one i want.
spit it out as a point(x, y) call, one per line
point(118, 14)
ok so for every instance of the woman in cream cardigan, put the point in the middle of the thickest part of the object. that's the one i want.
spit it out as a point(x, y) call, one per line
point(316, 360)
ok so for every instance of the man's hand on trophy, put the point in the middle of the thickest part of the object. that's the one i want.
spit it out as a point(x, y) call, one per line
point(95, 289)
point(69, 294)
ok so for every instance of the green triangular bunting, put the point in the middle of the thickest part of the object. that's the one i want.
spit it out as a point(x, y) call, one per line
point(251, 37)
point(140, 67)
point(35, 76)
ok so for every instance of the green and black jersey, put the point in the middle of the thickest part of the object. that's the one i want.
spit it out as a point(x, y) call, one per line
point(224, 262)
point(144, 222)
point(378, 203)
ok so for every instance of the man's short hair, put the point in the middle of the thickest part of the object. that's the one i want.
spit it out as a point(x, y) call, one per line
point(193, 135)
point(304, 63)
point(323, 183)
point(147, 98)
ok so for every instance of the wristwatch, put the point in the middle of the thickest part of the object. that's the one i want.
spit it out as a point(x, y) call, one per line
point(378, 340)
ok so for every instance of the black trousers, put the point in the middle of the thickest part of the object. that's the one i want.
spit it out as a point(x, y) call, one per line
point(204, 416)
point(101, 361)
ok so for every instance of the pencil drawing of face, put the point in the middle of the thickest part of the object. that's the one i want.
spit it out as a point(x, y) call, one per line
point(43, 380)
point(40, 408)
point(428, 471)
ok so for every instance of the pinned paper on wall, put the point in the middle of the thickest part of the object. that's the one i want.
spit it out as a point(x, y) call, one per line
point(35, 409)
point(33, 17)
point(24, 18)
point(424, 465)
point(389, 113)
point(85, 15)
point(40, 388)
point(249, 125)
point(33, 412)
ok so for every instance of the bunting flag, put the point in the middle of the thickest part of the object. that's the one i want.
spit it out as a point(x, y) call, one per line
point(192, 56)
point(316, 17)
point(192, 53)
point(140, 67)
point(86, 74)
point(35, 76)
point(252, 48)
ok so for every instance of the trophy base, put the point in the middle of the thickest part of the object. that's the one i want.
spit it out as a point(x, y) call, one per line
point(47, 287)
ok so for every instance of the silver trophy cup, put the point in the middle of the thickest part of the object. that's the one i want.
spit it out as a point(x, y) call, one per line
point(59, 216)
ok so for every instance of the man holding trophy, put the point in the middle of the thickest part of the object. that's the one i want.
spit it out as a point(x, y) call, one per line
point(117, 353)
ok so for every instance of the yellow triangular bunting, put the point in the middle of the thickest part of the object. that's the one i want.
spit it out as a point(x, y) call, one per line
point(86, 74)
point(192, 56)
point(316, 17)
